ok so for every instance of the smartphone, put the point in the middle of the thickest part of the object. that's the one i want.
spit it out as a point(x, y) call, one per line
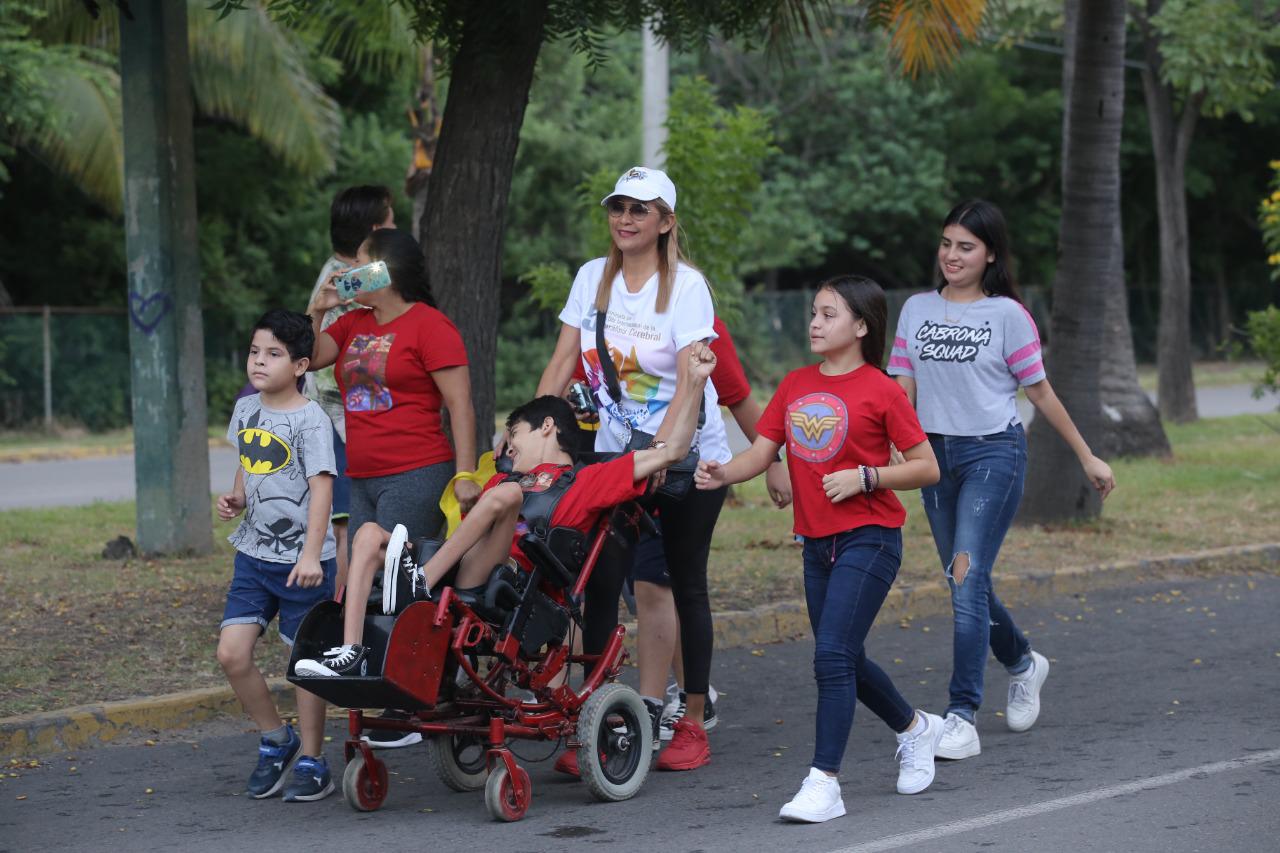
point(363, 279)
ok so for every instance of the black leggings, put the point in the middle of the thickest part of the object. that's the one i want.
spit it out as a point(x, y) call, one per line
point(687, 528)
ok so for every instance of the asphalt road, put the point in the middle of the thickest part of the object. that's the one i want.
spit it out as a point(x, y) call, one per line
point(76, 482)
point(1158, 733)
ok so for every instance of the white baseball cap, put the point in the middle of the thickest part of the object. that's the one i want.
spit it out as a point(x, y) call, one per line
point(644, 184)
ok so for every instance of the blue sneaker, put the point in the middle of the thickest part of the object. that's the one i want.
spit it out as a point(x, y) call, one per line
point(273, 761)
point(311, 781)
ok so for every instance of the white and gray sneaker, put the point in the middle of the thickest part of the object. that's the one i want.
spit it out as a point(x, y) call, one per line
point(818, 800)
point(915, 755)
point(959, 739)
point(675, 710)
point(1024, 694)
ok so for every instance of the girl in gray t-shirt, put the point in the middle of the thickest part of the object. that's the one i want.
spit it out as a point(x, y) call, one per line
point(961, 352)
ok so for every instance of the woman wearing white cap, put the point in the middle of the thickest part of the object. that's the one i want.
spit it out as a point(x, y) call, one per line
point(653, 305)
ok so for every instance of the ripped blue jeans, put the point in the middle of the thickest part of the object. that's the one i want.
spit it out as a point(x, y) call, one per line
point(970, 510)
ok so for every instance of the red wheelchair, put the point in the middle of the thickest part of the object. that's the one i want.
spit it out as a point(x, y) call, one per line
point(454, 662)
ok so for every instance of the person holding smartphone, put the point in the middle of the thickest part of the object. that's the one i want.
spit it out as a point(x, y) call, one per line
point(398, 365)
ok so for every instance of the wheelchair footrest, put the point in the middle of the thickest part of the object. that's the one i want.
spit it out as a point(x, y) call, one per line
point(407, 657)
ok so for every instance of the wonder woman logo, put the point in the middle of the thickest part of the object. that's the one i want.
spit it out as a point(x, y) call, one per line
point(818, 423)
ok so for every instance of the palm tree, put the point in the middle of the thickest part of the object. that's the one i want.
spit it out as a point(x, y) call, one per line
point(1090, 261)
point(246, 69)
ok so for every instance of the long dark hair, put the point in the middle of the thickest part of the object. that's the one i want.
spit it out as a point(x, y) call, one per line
point(404, 260)
point(986, 222)
point(866, 300)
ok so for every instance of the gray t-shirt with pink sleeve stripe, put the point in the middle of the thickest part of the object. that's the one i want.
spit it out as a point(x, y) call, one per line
point(968, 360)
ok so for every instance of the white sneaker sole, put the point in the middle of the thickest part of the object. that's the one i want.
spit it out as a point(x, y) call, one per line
point(797, 815)
point(409, 739)
point(313, 668)
point(1037, 681)
point(391, 569)
point(311, 798)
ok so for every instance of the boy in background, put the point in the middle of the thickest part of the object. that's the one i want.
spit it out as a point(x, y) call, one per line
point(284, 545)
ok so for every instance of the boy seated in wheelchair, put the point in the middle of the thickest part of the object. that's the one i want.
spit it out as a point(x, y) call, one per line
point(540, 445)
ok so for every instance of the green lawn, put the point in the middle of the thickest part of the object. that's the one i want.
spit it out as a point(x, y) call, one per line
point(81, 629)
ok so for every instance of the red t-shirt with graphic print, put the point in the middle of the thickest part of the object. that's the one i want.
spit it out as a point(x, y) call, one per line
point(596, 489)
point(833, 423)
point(728, 377)
point(392, 404)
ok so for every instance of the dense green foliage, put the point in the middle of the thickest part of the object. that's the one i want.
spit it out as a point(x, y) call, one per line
point(790, 167)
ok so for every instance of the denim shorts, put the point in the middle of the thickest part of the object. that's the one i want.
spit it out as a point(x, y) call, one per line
point(341, 482)
point(258, 593)
point(649, 560)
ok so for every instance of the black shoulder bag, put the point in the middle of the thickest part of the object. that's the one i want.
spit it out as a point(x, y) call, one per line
point(679, 475)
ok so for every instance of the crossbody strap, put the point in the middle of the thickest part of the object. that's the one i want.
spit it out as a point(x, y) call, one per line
point(611, 372)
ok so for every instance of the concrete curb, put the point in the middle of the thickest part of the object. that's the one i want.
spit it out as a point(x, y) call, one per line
point(97, 725)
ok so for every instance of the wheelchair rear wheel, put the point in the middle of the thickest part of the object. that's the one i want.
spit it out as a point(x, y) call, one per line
point(460, 761)
point(364, 786)
point(616, 738)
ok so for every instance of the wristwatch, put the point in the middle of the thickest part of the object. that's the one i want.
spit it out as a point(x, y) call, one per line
point(657, 444)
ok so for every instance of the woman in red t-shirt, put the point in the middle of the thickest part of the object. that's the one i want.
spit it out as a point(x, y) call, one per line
point(837, 419)
point(397, 365)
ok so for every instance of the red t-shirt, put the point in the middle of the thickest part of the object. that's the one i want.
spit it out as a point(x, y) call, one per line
point(392, 403)
point(832, 423)
point(595, 490)
point(728, 376)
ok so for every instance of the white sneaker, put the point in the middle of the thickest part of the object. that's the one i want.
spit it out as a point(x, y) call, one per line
point(959, 739)
point(391, 569)
point(1024, 694)
point(915, 755)
point(818, 800)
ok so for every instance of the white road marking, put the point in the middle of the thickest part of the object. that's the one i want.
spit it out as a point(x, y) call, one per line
point(893, 842)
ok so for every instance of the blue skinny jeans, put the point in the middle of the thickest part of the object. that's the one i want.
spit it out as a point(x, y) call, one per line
point(846, 579)
point(970, 510)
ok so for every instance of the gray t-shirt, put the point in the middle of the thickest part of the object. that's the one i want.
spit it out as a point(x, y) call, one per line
point(279, 451)
point(968, 360)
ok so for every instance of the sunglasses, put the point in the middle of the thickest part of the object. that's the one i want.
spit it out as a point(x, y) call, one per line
point(616, 208)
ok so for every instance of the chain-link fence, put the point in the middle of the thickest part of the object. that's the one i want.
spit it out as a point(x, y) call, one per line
point(71, 366)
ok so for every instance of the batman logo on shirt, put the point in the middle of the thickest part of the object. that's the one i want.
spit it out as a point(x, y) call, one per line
point(262, 452)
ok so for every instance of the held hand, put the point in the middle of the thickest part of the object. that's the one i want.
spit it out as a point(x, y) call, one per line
point(709, 475)
point(1099, 474)
point(306, 574)
point(230, 505)
point(327, 296)
point(656, 480)
point(467, 492)
point(778, 484)
point(702, 361)
point(840, 485)
point(895, 455)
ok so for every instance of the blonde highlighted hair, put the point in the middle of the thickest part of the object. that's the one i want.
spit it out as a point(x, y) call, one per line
point(670, 256)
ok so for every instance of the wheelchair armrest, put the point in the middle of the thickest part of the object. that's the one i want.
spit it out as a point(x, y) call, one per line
point(537, 551)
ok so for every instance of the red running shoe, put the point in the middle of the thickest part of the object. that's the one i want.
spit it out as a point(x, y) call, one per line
point(567, 764)
point(689, 748)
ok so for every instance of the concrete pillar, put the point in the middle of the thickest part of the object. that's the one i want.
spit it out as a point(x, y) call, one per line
point(166, 340)
point(654, 93)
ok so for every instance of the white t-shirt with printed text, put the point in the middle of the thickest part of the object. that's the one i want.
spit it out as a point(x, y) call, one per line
point(643, 345)
point(968, 360)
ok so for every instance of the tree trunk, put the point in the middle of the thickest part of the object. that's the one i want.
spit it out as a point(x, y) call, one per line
point(1170, 140)
point(475, 157)
point(166, 340)
point(425, 121)
point(1090, 264)
point(1130, 423)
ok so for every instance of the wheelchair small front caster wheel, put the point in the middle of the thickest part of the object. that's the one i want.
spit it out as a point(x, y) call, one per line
point(507, 798)
point(364, 785)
